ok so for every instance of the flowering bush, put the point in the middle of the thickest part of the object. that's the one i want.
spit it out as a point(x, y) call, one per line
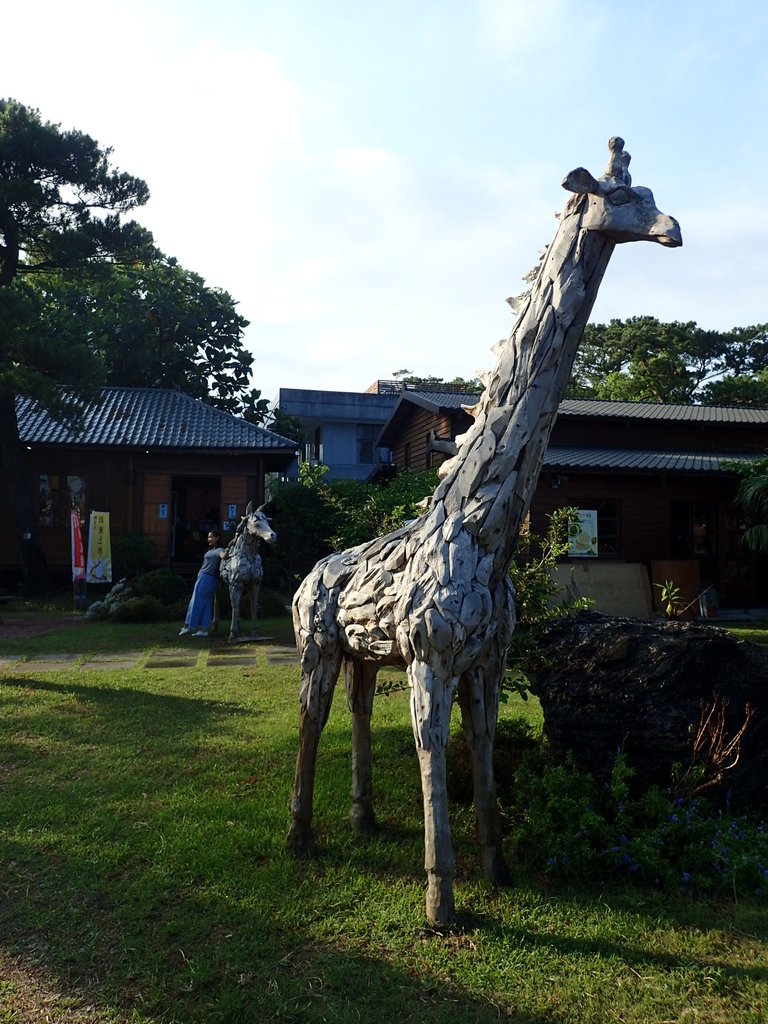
point(569, 826)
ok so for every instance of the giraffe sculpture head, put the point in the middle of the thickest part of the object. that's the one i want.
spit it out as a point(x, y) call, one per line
point(617, 210)
point(256, 523)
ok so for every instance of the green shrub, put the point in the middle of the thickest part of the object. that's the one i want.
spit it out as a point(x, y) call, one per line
point(271, 605)
point(531, 573)
point(140, 609)
point(163, 584)
point(567, 825)
point(132, 553)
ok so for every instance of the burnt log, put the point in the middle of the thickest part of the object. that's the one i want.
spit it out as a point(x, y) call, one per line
point(664, 693)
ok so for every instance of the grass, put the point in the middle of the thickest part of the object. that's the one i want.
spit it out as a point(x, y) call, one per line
point(142, 824)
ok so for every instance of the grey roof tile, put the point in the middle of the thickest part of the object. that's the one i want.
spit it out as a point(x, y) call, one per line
point(595, 409)
point(634, 460)
point(654, 411)
point(147, 418)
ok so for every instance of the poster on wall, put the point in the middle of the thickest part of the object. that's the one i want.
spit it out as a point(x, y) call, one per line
point(582, 534)
point(99, 549)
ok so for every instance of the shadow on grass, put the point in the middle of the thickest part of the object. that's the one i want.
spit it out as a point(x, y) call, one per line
point(66, 635)
point(168, 954)
point(120, 698)
point(160, 887)
point(635, 956)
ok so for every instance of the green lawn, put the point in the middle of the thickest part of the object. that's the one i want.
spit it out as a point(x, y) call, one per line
point(142, 821)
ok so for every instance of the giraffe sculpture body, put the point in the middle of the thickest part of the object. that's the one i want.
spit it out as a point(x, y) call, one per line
point(435, 596)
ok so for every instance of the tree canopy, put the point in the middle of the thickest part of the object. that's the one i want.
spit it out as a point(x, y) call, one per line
point(158, 325)
point(87, 299)
point(61, 202)
point(644, 360)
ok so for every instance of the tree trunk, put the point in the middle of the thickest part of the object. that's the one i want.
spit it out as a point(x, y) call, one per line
point(664, 693)
point(20, 497)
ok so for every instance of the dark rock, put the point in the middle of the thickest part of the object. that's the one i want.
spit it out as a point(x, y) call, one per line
point(641, 687)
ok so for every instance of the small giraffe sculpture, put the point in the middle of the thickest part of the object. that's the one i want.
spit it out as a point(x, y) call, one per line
point(241, 567)
point(435, 596)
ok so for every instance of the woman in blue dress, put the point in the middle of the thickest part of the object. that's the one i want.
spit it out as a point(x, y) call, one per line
point(200, 609)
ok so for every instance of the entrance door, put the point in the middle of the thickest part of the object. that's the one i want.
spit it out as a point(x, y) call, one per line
point(196, 502)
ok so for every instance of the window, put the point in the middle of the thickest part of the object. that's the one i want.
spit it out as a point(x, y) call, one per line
point(608, 536)
point(76, 489)
point(49, 514)
point(58, 496)
point(366, 439)
point(694, 529)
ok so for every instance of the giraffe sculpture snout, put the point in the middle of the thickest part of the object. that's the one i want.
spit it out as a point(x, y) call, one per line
point(669, 233)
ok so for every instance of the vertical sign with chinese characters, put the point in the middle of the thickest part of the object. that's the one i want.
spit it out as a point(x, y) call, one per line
point(99, 549)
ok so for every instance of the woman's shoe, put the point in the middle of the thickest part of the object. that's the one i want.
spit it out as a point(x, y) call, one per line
point(184, 630)
point(200, 632)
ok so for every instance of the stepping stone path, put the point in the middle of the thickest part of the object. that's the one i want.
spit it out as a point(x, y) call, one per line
point(121, 661)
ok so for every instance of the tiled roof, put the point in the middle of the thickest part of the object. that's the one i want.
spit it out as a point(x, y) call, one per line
point(443, 399)
point(148, 418)
point(624, 410)
point(654, 411)
point(632, 459)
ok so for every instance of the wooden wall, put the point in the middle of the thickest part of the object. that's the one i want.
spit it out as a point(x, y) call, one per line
point(131, 486)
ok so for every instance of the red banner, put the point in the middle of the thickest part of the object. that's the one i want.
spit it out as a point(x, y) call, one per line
point(78, 551)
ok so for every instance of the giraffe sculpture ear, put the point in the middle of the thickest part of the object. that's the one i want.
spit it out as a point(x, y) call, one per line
point(581, 182)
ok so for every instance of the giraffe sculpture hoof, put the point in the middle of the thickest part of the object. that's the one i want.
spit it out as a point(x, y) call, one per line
point(363, 820)
point(300, 841)
point(496, 868)
point(441, 910)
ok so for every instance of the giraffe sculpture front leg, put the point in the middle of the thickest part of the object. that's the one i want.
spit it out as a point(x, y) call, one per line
point(318, 681)
point(431, 700)
point(438, 851)
point(235, 594)
point(360, 681)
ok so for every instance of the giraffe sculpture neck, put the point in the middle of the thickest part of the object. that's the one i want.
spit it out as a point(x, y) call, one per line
point(489, 484)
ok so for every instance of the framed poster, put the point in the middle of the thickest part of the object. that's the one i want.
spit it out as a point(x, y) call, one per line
point(582, 534)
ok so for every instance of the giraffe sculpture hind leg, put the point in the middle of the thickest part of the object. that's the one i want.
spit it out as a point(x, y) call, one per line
point(478, 697)
point(360, 681)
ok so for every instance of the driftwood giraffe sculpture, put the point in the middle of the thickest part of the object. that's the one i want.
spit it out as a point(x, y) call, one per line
point(434, 596)
point(241, 569)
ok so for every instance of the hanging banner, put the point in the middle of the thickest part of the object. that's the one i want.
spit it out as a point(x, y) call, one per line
point(99, 549)
point(78, 552)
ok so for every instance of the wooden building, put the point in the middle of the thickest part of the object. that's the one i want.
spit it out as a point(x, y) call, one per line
point(161, 463)
point(656, 479)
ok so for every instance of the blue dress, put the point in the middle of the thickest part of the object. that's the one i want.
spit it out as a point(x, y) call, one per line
point(200, 608)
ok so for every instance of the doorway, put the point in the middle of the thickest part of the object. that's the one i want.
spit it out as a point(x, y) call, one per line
point(196, 504)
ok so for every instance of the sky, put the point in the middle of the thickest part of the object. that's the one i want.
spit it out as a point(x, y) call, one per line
point(370, 180)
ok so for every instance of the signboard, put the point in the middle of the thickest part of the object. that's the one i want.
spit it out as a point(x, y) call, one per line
point(162, 511)
point(582, 535)
point(231, 511)
point(99, 549)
